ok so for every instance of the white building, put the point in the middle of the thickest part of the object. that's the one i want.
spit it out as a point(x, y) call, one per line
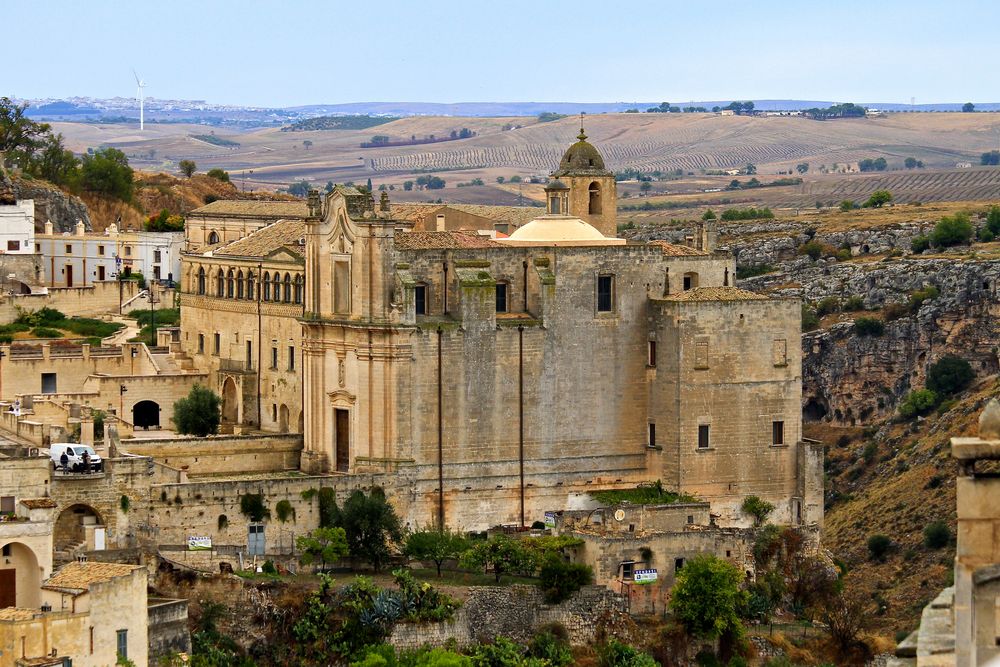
point(82, 258)
point(17, 228)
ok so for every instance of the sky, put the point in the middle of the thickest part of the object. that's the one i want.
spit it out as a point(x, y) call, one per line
point(292, 52)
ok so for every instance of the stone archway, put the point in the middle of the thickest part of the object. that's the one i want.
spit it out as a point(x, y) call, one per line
point(146, 414)
point(230, 401)
point(79, 527)
point(20, 576)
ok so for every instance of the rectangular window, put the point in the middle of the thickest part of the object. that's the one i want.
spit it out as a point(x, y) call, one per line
point(201, 343)
point(628, 570)
point(703, 436)
point(652, 434)
point(156, 256)
point(274, 357)
point(38, 247)
point(48, 383)
point(701, 355)
point(687, 283)
point(341, 287)
point(605, 293)
point(777, 433)
point(501, 297)
point(100, 250)
point(6, 504)
point(420, 299)
point(651, 356)
point(678, 564)
point(91, 640)
point(291, 358)
point(69, 249)
point(123, 643)
point(128, 251)
point(779, 352)
point(217, 344)
point(13, 245)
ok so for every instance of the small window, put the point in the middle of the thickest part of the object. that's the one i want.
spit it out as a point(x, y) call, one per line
point(274, 418)
point(38, 247)
point(291, 358)
point(628, 570)
point(48, 383)
point(6, 504)
point(201, 343)
point(6, 550)
point(100, 250)
point(274, 357)
point(687, 283)
point(703, 436)
point(777, 433)
point(678, 564)
point(123, 644)
point(156, 256)
point(13, 245)
point(420, 299)
point(69, 249)
point(213, 238)
point(605, 293)
point(779, 352)
point(128, 251)
point(217, 345)
point(652, 434)
point(554, 205)
point(156, 272)
point(651, 354)
point(690, 519)
point(501, 297)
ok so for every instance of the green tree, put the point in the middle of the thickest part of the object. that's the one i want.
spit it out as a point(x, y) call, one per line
point(19, 135)
point(407, 185)
point(198, 413)
point(187, 167)
point(949, 375)
point(502, 554)
point(299, 188)
point(371, 525)
point(847, 205)
point(436, 546)
point(219, 174)
point(802, 167)
point(327, 545)
point(307, 144)
point(500, 179)
point(559, 579)
point(878, 199)
point(993, 220)
point(757, 508)
point(920, 243)
point(707, 595)
point(617, 654)
point(107, 172)
point(646, 186)
point(918, 403)
point(991, 158)
point(968, 107)
point(708, 215)
point(750, 169)
point(952, 230)
point(910, 163)
point(54, 162)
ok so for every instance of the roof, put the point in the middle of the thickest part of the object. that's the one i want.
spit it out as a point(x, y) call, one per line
point(443, 241)
point(411, 212)
point(253, 208)
point(675, 250)
point(265, 240)
point(560, 230)
point(581, 157)
point(556, 184)
point(716, 294)
point(77, 577)
point(414, 212)
point(38, 503)
point(17, 614)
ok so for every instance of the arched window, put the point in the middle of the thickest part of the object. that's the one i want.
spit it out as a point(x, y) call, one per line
point(229, 284)
point(239, 285)
point(220, 283)
point(250, 286)
point(213, 237)
point(299, 284)
point(266, 296)
point(288, 288)
point(595, 198)
point(201, 280)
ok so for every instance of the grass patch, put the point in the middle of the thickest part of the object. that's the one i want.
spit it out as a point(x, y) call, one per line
point(644, 494)
point(166, 317)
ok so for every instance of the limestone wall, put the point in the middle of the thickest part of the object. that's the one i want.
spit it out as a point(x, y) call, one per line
point(168, 631)
point(222, 454)
point(92, 300)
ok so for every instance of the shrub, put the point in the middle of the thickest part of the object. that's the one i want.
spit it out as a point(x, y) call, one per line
point(753, 270)
point(917, 297)
point(45, 332)
point(812, 248)
point(830, 304)
point(707, 595)
point(853, 304)
point(878, 199)
point(920, 244)
point(617, 654)
point(949, 375)
point(869, 326)
point(219, 174)
point(993, 220)
point(847, 205)
point(936, 535)
point(879, 546)
point(198, 413)
point(809, 319)
point(284, 510)
point(559, 579)
point(268, 567)
point(552, 649)
point(843, 255)
point(252, 506)
point(757, 508)
point(869, 452)
point(919, 402)
point(894, 311)
point(951, 231)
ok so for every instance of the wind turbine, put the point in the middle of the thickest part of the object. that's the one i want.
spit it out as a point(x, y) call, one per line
point(142, 100)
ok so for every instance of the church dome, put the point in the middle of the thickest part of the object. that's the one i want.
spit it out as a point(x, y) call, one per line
point(581, 157)
point(559, 230)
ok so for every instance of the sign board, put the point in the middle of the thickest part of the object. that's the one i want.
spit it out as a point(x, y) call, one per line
point(550, 519)
point(644, 576)
point(199, 543)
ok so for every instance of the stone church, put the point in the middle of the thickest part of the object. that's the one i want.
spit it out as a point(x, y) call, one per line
point(485, 379)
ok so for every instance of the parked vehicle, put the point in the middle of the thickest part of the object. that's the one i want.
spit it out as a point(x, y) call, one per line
point(75, 455)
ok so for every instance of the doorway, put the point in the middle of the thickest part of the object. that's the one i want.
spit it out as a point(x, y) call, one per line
point(8, 588)
point(146, 415)
point(343, 442)
point(69, 275)
point(255, 540)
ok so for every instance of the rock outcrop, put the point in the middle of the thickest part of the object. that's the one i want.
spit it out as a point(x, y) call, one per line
point(52, 205)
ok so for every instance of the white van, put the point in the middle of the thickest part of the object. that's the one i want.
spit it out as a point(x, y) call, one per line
point(74, 454)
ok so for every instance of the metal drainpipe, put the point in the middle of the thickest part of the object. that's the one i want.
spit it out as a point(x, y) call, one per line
point(520, 412)
point(444, 291)
point(440, 406)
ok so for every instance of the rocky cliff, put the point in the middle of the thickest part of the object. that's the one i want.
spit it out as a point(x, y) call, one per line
point(52, 205)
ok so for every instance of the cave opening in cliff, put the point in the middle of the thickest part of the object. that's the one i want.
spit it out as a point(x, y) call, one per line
point(814, 410)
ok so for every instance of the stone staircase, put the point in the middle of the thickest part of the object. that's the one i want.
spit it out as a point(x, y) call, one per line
point(66, 554)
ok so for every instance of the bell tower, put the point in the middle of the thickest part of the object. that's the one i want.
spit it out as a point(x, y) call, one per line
point(593, 195)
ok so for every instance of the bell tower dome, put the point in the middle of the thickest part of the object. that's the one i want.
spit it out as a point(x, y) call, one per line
point(593, 195)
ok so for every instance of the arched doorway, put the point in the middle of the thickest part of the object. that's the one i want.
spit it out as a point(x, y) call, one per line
point(283, 418)
point(230, 402)
point(146, 414)
point(20, 576)
point(78, 528)
point(594, 206)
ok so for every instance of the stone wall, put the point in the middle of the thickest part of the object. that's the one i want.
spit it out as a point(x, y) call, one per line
point(89, 301)
point(168, 631)
point(222, 454)
point(516, 612)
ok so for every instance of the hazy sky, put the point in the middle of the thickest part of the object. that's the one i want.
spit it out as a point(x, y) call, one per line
point(311, 52)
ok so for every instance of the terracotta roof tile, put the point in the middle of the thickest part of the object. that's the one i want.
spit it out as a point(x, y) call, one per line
point(517, 215)
point(79, 576)
point(38, 503)
point(443, 241)
point(17, 614)
point(411, 212)
point(266, 240)
point(250, 208)
point(676, 250)
point(716, 294)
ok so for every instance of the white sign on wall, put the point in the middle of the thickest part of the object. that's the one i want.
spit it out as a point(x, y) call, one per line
point(644, 576)
point(196, 543)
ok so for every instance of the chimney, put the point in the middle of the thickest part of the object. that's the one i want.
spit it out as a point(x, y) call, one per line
point(80, 229)
point(315, 208)
point(48, 228)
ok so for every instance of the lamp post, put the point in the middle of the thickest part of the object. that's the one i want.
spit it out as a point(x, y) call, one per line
point(134, 352)
point(122, 389)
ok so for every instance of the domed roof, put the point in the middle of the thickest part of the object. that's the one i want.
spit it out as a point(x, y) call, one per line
point(559, 230)
point(556, 184)
point(581, 157)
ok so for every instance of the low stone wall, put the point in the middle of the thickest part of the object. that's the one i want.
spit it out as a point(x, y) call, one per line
point(516, 612)
point(168, 631)
point(223, 454)
point(101, 297)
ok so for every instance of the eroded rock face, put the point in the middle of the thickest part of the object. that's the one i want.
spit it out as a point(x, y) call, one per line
point(52, 205)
